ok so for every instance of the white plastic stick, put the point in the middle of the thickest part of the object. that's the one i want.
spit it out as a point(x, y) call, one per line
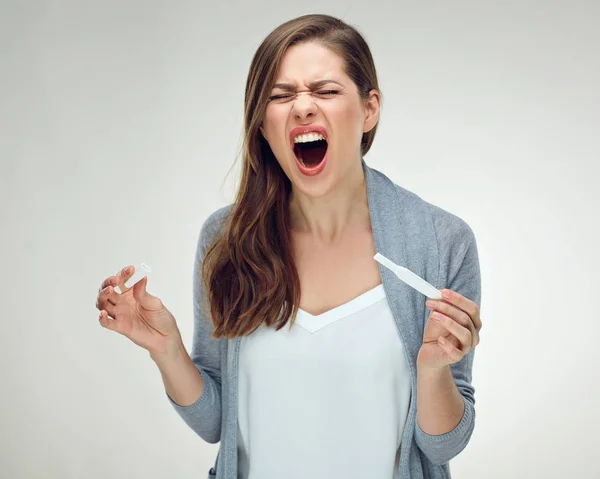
point(410, 278)
point(138, 275)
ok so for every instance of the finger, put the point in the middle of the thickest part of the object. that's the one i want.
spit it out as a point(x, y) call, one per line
point(107, 296)
point(452, 351)
point(451, 311)
point(108, 305)
point(123, 276)
point(457, 314)
point(110, 281)
point(461, 333)
point(109, 322)
point(458, 300)
point(477, 321)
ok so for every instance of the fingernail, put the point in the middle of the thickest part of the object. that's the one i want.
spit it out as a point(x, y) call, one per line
point(106, 290)
point(446, 294)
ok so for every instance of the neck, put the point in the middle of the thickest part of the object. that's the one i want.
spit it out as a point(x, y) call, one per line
point(329, 218)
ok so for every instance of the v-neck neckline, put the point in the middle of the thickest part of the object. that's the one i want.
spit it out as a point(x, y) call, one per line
point(313, 323)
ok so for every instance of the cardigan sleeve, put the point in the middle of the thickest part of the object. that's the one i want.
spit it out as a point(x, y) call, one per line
point(459, 271)
point(204, 416)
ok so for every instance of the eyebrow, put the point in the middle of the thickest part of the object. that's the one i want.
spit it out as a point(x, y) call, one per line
point(313, 85)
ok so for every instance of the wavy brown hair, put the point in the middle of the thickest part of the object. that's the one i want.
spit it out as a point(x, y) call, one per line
point(249, 270)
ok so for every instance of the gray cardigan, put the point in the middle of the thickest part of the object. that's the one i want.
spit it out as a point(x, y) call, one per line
point(435, 244)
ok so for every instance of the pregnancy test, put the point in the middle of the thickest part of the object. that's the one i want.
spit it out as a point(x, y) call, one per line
point(137, 276)
point(410, 278)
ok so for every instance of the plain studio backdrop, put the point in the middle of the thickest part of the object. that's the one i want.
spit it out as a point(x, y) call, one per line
point(120, 131)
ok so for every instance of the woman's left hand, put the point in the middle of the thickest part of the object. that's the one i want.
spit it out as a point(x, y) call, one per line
point(451, 331)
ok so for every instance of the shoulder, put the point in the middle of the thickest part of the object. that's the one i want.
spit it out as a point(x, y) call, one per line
point(213, 224)
point(450, 229)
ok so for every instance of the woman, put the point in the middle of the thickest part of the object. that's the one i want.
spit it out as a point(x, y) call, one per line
point(364, 380)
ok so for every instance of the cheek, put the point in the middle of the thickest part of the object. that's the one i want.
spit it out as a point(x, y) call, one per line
point(345, 115)
point(273, 128)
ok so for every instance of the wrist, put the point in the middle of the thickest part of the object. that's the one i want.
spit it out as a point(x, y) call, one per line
point(170, 350)
point(432, 372)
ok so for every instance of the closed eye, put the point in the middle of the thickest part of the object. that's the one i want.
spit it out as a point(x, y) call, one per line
point(324, 92)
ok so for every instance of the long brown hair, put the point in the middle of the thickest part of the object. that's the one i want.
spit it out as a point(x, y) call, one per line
point(249, 270)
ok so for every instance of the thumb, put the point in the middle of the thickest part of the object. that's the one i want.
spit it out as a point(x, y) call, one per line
point(145, 299)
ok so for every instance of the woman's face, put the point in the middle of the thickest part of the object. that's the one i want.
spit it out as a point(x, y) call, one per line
point(312, 90)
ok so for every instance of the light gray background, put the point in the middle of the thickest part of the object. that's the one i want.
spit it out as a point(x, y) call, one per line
point(120, 122)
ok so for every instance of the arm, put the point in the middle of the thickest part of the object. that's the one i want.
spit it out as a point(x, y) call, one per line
point(193, 382)
point(182, 379)
point(445, 397)
point(440, 406)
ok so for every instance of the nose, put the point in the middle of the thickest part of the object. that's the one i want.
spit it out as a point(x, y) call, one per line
point(304, 106)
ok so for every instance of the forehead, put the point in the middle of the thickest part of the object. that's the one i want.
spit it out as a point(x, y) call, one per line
point(307, 62)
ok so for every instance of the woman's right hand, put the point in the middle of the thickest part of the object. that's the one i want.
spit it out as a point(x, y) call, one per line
point(136, 314)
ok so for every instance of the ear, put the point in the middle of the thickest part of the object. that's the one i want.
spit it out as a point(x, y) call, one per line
point(372, 108)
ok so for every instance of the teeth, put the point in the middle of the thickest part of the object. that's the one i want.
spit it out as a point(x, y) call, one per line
point(308, 137)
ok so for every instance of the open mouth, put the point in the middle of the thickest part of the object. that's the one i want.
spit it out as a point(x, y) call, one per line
point(310, 153)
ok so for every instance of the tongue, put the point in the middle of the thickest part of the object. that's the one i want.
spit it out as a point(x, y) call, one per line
point(312, 153)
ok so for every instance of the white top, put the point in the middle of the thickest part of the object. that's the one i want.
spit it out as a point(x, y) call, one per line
point(313, 404)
